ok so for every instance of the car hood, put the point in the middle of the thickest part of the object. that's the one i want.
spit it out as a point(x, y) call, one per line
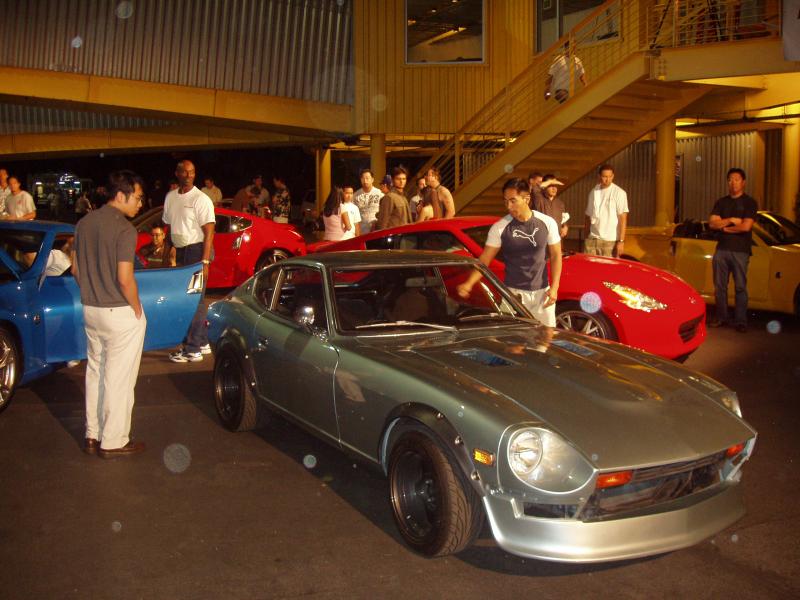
point(620, 407)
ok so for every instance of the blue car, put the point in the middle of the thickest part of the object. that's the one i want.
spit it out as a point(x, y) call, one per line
point(41, 315)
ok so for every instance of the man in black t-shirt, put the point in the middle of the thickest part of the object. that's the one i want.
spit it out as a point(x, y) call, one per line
point(732, 216)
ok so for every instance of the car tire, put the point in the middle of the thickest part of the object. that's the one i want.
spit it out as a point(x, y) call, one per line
point(571, 317)
point(436, 511)
point(270, 257)
point(237, 407)
point(9, 363)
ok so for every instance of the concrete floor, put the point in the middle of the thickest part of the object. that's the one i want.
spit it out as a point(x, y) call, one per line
point(205, 513)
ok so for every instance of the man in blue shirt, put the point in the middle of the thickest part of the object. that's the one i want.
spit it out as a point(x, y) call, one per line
point(524, 236)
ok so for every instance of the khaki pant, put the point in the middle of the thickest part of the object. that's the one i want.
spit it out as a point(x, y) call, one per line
point(114, 341)
point(534, 302)
point(599, 247)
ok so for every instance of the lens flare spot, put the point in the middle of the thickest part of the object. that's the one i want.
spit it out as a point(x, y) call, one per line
point(116, 526)
point(309, 461)
point(774, 327)
point(698, 158)
point(379, 103)
point(177, 458)
point(508, 167)
point(124, 9)
point(734, 538)
point(591, 302)
point(76, 42)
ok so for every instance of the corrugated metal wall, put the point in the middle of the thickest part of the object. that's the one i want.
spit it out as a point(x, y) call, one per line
point(392, 97)
point(18, 118)
point(294, 48)
point(705, 160)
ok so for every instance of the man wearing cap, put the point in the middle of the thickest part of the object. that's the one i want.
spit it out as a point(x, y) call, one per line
point(394, 209)
point(525, 236)
point(549, 204)
point(606, 216)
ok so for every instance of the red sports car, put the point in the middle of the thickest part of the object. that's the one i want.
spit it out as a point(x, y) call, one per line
point(636, 304)
point(243, 244)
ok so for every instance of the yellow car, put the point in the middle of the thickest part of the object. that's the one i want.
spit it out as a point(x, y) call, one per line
point(773, 277)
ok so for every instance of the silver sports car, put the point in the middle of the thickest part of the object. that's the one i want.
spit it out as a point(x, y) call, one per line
point(571, 448)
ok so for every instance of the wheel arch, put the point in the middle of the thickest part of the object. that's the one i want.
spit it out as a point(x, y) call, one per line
point(411, 415)
point(232, 338)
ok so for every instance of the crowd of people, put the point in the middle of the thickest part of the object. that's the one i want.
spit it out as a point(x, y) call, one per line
point(348, 212)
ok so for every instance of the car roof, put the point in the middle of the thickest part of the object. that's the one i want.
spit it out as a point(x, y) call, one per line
point(379, 258)
point(36, 225)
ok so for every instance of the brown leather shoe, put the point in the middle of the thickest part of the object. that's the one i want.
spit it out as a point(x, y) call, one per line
point(129, 448)
point(90, 445)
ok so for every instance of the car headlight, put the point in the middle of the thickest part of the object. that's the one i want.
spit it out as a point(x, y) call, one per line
point(541, 459)
point(635, 299)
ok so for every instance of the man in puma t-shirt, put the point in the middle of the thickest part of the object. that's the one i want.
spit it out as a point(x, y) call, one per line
point(524, 235)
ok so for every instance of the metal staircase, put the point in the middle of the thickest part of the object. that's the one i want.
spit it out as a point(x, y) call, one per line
point(521, 130)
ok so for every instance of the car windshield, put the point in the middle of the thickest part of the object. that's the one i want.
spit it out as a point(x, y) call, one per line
point(22, 246)
point(777, 230)
point(423, 298)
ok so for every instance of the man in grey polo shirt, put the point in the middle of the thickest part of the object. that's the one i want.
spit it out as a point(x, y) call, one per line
point(102, 263)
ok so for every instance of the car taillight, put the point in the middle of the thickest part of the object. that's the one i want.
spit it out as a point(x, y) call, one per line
point(607, 480)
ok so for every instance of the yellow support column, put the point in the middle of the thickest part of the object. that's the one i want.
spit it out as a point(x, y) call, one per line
point(665, 172)
point(756, 184)
point(377, 155)
point(323, 176)
point(790, 166)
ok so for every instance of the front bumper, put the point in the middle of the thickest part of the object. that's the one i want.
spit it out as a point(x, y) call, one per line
point(675, 525)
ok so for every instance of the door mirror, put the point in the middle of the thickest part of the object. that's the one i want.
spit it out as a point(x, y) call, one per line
point(304, 315)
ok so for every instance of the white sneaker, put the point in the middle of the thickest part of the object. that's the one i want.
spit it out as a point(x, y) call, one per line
point(205, 349)
point(181, 356)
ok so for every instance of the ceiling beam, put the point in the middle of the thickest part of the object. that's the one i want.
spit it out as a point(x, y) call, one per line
point(174, 102)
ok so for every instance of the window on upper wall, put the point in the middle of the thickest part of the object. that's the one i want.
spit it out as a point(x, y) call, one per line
point(444, 31)
point(557, 17)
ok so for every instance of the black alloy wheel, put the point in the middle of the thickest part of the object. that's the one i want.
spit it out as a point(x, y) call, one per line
point(436, 512)
point(236, 406)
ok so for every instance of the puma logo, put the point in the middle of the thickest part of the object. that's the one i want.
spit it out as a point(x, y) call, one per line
point(528, 236)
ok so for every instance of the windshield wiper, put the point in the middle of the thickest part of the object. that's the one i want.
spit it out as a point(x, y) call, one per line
point(491, 315)
point(406, 324)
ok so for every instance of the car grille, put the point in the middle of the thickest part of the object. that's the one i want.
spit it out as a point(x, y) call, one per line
point(653, 486)
point(689, 329)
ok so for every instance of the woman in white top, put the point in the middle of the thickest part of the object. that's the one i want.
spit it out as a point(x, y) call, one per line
point(336, 220)
point(429, 207)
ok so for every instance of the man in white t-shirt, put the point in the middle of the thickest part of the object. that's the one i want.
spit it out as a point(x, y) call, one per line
point(368, 200)
point(211, 190)
point(606, 216)
point(353, 213)
point(19, 204)
point(190, 215)
point(557, 83)
point(525, 236)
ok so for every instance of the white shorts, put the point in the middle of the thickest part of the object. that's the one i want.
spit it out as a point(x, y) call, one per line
point(534, 302)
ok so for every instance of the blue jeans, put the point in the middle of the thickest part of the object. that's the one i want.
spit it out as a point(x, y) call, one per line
point(197, 335)
point(725, 264)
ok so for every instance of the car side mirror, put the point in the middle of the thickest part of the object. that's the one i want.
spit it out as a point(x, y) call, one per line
point(304, 316)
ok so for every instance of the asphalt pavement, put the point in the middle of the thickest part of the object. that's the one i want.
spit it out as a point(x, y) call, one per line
point(205, 513)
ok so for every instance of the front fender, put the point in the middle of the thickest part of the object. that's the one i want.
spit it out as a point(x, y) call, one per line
point(405, 415)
